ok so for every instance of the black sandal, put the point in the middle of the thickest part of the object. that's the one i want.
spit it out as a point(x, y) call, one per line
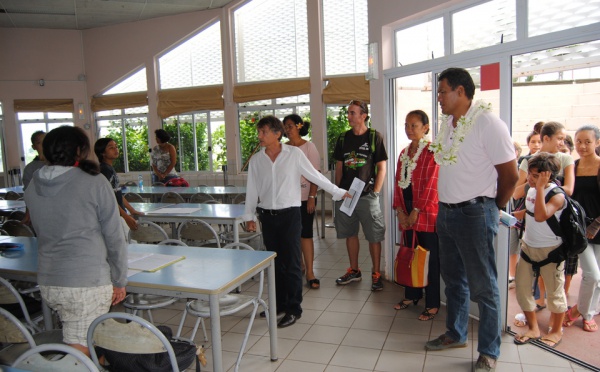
point(405, 303)
point(314, 283)
point(428, 315)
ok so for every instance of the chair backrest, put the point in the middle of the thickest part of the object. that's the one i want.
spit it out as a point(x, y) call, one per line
point(148, 232)
point(11, 298)
point(200, 197)
point(72, 361)
point(12, 330)
point(16, 228)
point(213, 201)
point(133, 197)
point(198, 233)
point(138, 336)
point(158, 184)
point(3, 232)
point(131, 183)
point(11, 195)
point(171, 197)
point(202, 185)
point(239, 198)
point(16, 215)
point(173, 242)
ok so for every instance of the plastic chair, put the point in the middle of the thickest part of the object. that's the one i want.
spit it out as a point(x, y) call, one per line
point(131, 183)
point(12, 301)
point(198, 233)
point(133, 197)
point(137, 336)
point(16, 228)
point(11, 195)
point(173, 242)
point(72, 361)
point(172, 197)
point(200, 197)
point(239, 198)
point(16, 215)
point(17, 338)
point(148, 233)
point(158, 184)
point(228, 305)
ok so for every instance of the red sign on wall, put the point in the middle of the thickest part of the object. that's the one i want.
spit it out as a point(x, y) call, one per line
point(490, 76)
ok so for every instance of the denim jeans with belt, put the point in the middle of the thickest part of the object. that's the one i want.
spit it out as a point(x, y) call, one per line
point(468, 267)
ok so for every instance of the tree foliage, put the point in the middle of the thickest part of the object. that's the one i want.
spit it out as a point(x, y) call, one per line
point(336, 125)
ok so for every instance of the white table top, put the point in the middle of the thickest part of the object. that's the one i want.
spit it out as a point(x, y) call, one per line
point(203, 271)
point(206, 212)
point(12, 204)
point(186, 191)
point(17, 189)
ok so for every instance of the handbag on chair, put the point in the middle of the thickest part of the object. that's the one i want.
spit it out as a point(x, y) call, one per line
point(411, 267)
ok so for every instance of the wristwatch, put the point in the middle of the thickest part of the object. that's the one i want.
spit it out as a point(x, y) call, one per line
point(311, 196)
point(376, 194)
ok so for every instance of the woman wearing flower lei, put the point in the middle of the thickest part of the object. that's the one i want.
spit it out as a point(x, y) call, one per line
point(416, 205)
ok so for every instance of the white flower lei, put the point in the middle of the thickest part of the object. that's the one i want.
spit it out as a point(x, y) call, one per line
point(447, 156)
point(408, 164)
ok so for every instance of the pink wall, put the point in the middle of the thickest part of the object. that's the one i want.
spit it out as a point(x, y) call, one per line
point(104, 55)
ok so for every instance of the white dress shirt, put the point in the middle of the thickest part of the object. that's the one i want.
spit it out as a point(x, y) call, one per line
point(277, 184)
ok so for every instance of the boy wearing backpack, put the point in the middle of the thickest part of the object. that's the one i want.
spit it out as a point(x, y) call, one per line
point(538, 243)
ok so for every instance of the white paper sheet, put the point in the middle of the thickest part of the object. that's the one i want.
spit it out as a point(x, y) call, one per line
point(150, 261)
point(173, 211)
point(356, 189)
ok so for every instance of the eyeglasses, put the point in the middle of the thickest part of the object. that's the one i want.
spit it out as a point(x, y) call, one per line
point(362, 104)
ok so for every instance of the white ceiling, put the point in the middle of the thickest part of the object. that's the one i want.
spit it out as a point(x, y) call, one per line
point(85, 14)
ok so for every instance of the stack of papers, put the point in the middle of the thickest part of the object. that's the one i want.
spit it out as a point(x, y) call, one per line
point(143, 261)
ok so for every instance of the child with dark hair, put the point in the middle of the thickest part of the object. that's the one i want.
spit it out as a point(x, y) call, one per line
point(107, 151)
point(537, 243)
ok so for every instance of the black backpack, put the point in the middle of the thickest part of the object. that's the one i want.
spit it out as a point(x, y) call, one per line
point(570, 228)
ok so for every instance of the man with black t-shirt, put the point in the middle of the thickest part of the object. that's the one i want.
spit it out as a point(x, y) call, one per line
point(360, 153)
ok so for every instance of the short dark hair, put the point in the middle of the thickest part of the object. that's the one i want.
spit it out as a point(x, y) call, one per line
point(422, 116)
point(35, 136)
point(545, 162)
point(459, 76)
point(550, 128)
point(534, 133)
point(273, 123)
point(296, 119)
point(100, 147)
point(162, 135)
point(68, 145)
point(592, 128)
point(364, 107)
point(569, 143)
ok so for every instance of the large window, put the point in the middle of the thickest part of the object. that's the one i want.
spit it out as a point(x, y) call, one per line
point(271, 40)
point(31, 122)
point(345, 36)
point(252, 112)
point(420, 43)
point(547, 16)
point(196, 62)
point(199, 138)
point(129, 129)
point(490, 23)
point(136, 82)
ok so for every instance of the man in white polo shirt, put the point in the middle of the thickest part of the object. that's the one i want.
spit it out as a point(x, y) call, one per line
point(477, 176)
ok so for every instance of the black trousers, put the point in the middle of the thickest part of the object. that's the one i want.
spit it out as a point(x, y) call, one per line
point(281, 234)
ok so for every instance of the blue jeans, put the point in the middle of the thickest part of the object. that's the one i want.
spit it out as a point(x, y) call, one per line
point(468, 267)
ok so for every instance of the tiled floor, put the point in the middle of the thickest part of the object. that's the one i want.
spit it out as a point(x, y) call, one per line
point(351, 329)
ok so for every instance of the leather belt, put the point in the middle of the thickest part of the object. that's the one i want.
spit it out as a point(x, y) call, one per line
point(479, 199)
point(273, 212)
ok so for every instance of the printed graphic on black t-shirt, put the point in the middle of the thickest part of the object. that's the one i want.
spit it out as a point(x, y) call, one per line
point(359, 158)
